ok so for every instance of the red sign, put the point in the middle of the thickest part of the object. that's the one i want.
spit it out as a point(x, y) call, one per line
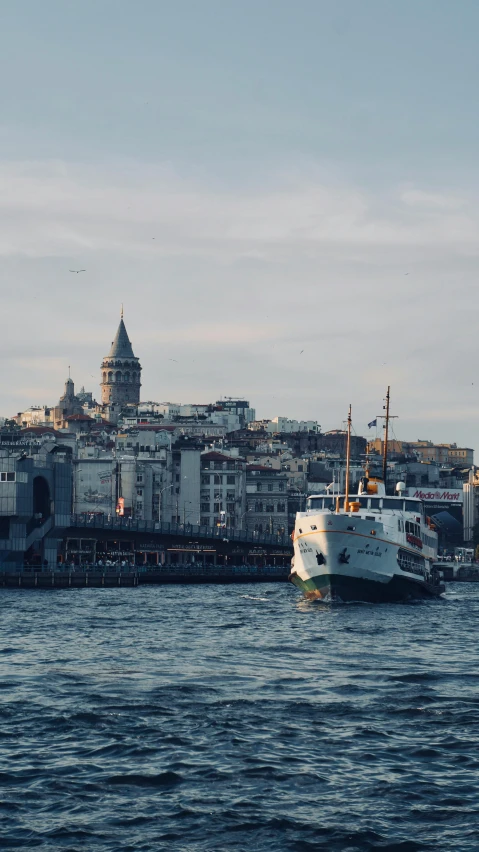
point(414, 540)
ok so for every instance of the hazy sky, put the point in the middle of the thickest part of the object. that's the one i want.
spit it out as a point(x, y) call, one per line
point(252, 178)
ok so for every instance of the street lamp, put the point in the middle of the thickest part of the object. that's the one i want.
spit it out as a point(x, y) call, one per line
point(190, 511)
point(242, 516)
point(74, 489)
point(159, 501)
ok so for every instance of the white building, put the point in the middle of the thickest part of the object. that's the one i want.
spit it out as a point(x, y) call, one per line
point(283, 424)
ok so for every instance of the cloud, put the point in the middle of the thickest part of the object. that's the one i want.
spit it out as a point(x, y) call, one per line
point(238, 281)
point(431, 200)
point(51, 209)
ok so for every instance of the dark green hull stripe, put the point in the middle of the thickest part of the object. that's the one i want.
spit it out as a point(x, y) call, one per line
point(339, 587)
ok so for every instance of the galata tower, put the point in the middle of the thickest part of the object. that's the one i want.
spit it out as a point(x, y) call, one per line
point(120, 372)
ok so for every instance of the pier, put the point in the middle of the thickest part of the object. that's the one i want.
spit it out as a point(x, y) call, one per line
point(93, 577)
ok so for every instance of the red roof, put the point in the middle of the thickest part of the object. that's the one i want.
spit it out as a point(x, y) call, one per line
point(43, 430)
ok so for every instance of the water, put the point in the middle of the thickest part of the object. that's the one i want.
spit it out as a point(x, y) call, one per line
point(237, 718)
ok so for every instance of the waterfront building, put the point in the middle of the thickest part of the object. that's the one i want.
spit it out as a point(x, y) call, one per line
point(183, 498)
point(223, 490)
point(142, 475)
point(35, 496)
point(266, 500)
point(125, 486)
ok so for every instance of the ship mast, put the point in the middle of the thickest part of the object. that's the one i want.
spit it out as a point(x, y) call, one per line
point(348, 460)
point(386, 431)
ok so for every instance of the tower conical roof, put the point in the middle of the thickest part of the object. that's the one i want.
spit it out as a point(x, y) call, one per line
point(121, 346)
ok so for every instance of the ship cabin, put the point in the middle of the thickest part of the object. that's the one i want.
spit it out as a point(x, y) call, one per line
point(399, 519)
point(365, 501)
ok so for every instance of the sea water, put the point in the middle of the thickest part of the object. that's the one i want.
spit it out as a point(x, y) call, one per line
point(201, 718)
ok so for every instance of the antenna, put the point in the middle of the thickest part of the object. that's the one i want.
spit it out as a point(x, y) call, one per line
point(348, 461)
point(386, 417)
point(386, 430)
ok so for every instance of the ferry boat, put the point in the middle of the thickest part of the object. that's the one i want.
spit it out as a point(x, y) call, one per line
point(368, 547)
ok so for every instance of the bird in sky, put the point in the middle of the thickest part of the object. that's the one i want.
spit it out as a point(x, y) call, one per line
point(301, 352)
point(406, 273)
point(77, 270)
point(173, 359)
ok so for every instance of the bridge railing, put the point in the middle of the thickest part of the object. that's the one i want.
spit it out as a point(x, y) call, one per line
point(104, 522)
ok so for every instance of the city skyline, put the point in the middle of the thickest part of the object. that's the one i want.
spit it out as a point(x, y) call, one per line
point(285, 203)
point(119, 395)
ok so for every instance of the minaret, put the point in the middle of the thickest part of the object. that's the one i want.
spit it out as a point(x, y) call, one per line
point(120, 371)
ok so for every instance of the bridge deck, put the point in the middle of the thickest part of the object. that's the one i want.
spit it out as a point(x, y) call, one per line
point(189, 531)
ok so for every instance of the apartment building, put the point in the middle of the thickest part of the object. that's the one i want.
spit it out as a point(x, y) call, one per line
point(223, 489)
point(266, 500)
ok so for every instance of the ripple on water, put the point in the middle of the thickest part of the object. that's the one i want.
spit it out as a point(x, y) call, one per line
point(237, 719)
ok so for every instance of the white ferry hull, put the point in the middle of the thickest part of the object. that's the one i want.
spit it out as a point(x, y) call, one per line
point(348, 559)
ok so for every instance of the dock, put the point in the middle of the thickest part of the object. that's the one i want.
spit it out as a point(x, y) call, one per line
point(164, 575)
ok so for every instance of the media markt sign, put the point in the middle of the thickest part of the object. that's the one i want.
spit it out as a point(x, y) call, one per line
point(437, 495)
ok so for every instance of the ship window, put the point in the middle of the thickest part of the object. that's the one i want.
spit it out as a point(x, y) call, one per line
point(315, 503)
point(391, 503)
point(351, 528)
point(374, 503)
point(412, 506)
point(370, 518)
point(313, 527)
point(300, 531)
point(412, 528)
point(363, 502)
point(373, 532)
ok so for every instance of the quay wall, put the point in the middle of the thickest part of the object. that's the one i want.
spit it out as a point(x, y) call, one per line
point(168, 575)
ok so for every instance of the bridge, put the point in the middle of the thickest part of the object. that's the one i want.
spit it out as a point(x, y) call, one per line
point(126, 526)
point(89, 537)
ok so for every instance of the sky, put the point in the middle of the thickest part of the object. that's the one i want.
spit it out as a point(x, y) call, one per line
point(284, 196)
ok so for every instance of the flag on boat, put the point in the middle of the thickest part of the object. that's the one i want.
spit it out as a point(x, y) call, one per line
point(373, 423)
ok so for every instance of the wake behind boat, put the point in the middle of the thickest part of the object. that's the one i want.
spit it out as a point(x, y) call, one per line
point(369, 547)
